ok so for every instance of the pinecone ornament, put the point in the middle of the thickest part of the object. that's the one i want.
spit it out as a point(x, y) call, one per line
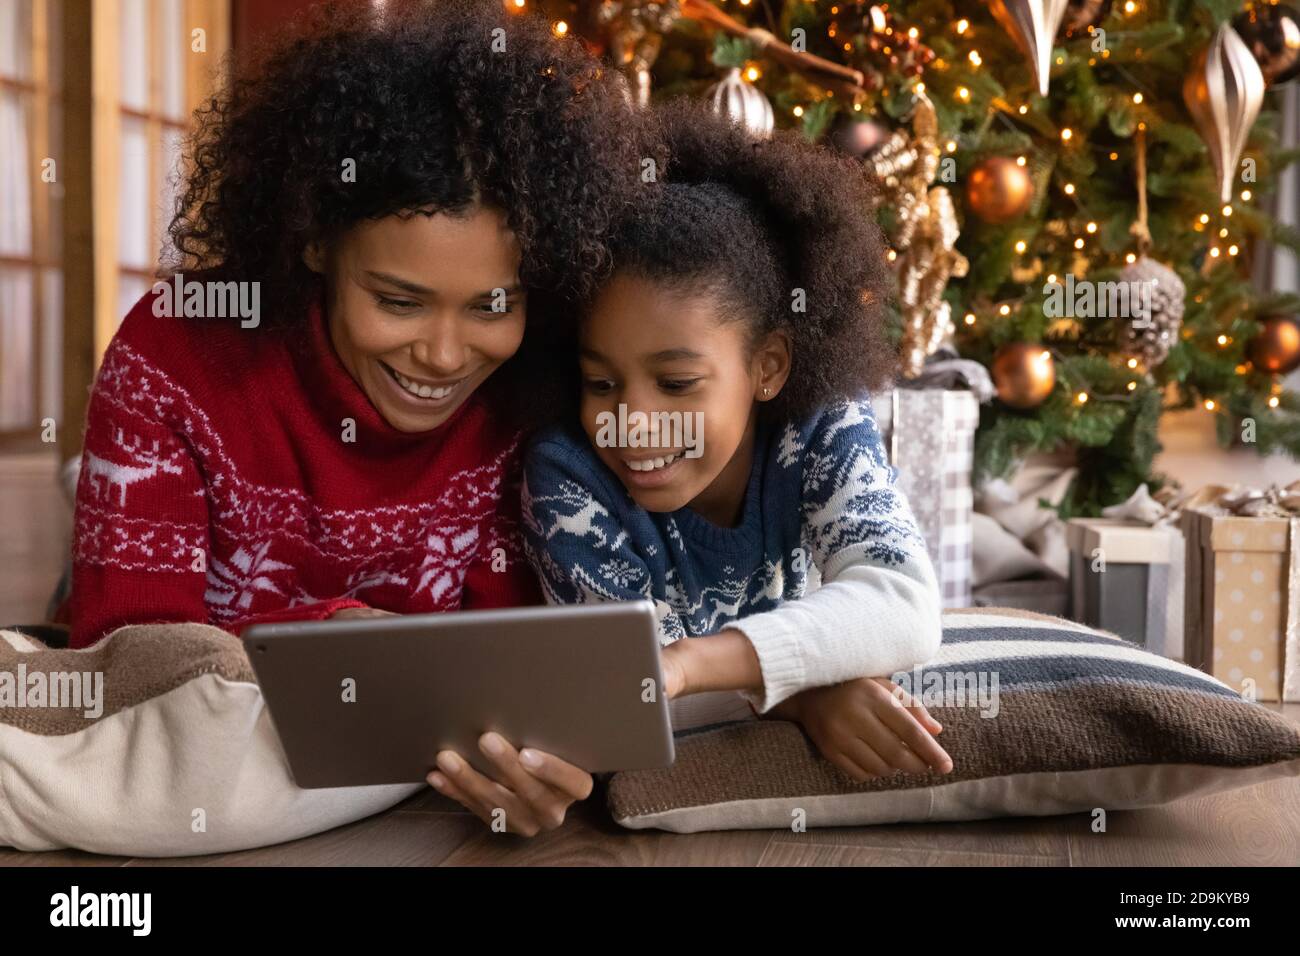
point(1149, 341)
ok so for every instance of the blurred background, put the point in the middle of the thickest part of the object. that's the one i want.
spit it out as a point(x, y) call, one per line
point(96, 100)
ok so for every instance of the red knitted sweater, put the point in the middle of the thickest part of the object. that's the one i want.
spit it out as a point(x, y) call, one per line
point(217, 485)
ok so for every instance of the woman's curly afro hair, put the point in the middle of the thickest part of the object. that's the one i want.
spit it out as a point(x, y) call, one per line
point(440, 105)
point(764, 227)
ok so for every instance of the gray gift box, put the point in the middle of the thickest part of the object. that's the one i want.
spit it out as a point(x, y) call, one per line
point(1126, 577)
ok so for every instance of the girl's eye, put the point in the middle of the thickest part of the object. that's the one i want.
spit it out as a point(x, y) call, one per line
point(486, 309)
point(677, 384)
point(597, 386)
point(396, 305)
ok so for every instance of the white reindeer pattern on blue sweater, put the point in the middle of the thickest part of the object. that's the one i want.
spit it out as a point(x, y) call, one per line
point(821, 493)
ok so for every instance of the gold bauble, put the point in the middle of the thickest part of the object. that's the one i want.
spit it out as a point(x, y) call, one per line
point(1277, 346)
point(1024, 373)
point(999, 190)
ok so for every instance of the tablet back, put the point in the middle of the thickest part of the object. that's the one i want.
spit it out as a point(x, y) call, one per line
point(372, 700)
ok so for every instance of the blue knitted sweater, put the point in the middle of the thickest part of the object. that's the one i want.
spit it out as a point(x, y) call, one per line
point(821, 494)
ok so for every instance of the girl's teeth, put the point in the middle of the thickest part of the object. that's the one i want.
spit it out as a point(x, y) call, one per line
point(423, 391)
point(651, 464)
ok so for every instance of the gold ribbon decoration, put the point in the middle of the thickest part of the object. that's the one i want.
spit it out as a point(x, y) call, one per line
point(924, 234)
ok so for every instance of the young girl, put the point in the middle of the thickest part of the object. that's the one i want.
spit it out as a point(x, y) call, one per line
point(746, 299)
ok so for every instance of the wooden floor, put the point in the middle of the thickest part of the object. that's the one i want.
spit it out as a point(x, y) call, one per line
point(1258, 826)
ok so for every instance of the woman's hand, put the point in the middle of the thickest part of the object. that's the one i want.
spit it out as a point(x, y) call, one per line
point(868, 728)
point(529, 791)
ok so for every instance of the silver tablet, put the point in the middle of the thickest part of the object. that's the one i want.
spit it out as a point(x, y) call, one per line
point(372, 700)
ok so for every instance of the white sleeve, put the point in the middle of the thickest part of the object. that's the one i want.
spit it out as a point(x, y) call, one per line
point(878, 610)
point(869, 621)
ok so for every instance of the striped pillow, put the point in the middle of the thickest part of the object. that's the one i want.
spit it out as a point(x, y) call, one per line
point(1057, 718)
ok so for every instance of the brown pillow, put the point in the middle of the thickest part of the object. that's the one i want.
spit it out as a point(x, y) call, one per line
point(1070, 719)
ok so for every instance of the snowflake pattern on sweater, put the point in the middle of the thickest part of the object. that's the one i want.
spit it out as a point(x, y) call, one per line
point(820, 494)
point(192, 505)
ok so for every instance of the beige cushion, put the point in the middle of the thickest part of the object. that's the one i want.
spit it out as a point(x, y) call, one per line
point(1080, 720)
point(177, 757)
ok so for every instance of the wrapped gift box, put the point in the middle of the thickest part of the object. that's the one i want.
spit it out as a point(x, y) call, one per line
point(930, 436)
point(1126, 577)
point(1243, 600)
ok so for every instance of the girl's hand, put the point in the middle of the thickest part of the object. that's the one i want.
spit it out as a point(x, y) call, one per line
point(672, 662)
point(722, 661)
point(529, 791)
point(868, 728)
point(356, 612)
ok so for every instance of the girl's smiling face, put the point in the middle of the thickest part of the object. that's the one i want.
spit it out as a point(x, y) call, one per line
point(654, 348)
point(423, 309)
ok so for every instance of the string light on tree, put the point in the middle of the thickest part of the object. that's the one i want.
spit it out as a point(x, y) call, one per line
point(1027, 224)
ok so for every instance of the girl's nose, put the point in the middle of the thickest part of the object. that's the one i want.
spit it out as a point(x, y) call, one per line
point(643, 399)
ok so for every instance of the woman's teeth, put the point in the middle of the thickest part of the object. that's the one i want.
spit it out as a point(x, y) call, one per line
point(422, 391)
point(652, 464)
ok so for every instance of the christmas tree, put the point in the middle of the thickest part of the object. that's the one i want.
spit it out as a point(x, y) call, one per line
point(1076, 151)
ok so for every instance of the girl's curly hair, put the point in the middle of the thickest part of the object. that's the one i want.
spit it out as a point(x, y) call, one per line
point(767, 226)
point(439, 105)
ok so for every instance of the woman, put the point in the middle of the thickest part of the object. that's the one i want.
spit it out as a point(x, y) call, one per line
point(399, 196)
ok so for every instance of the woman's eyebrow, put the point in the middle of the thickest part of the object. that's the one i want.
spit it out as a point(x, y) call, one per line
point(403, 284)
point(514, 289)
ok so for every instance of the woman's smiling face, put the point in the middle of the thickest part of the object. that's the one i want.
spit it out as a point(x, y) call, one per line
point(423, 309)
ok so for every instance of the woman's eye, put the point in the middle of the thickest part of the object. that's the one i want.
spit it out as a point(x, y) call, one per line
point(493, 309)
point(396, 305)
point(677, 384)
point(597, 385)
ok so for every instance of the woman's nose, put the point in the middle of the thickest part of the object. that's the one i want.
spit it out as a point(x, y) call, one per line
point(440, 347)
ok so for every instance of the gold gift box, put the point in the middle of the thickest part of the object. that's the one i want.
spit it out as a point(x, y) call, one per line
point(1240, 603)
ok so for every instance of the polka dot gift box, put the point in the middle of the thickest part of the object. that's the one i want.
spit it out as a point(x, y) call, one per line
point(1242, 605)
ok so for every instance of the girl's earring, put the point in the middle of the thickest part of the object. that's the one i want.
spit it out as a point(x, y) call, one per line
point(766, 391)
